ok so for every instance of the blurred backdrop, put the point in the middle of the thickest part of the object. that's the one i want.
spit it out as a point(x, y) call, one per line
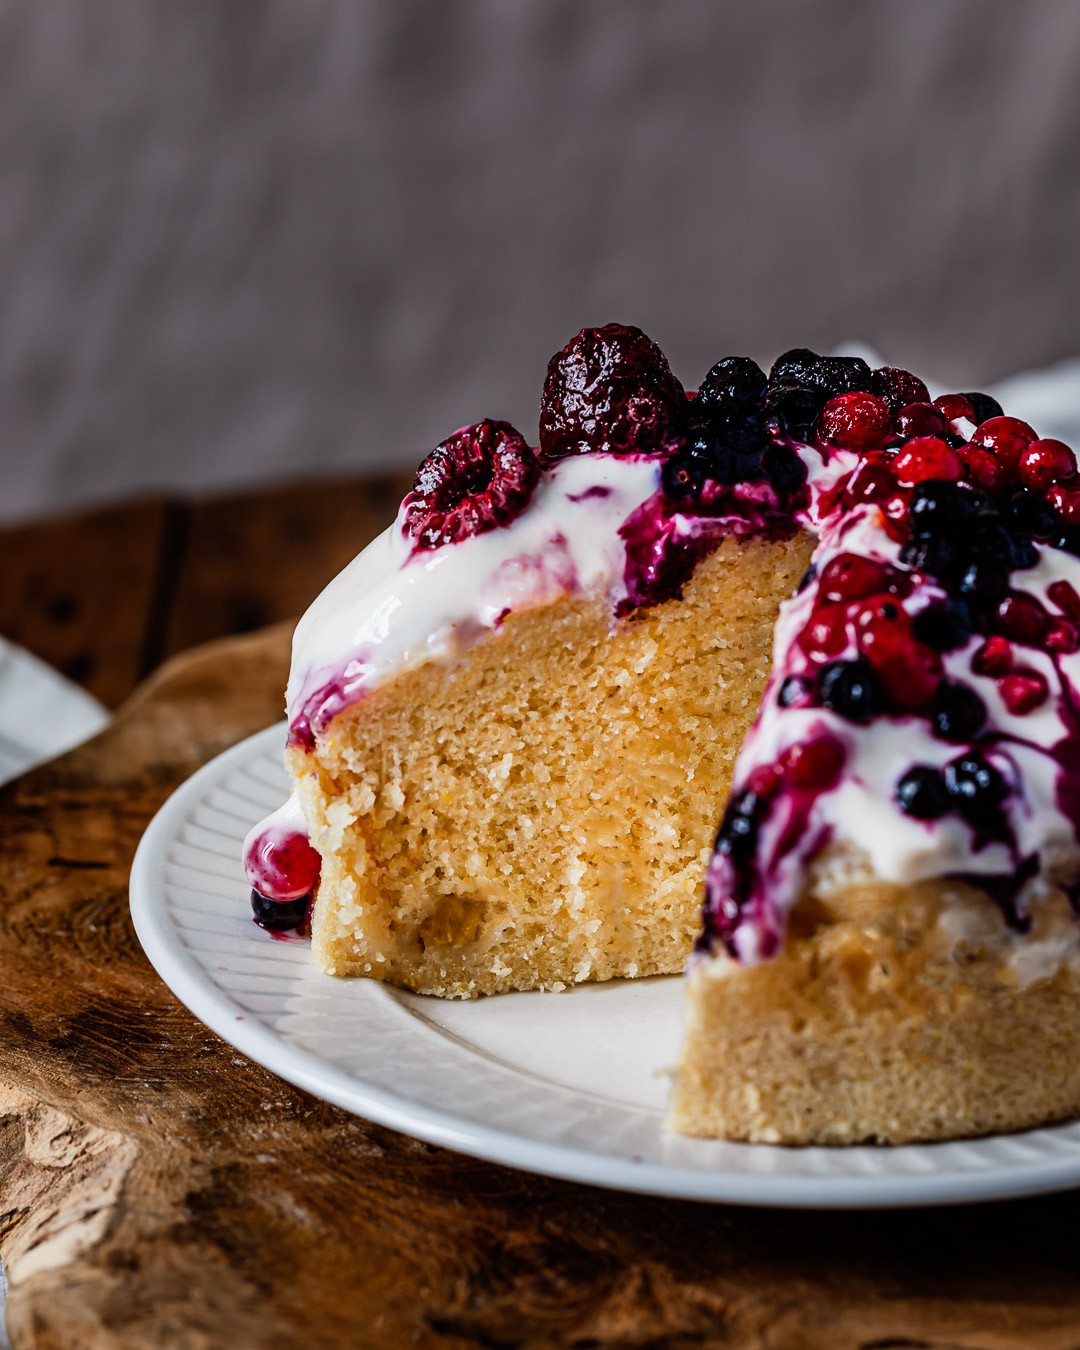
point(254, 240)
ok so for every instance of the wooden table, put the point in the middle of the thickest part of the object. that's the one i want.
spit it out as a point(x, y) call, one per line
point(159, 1190)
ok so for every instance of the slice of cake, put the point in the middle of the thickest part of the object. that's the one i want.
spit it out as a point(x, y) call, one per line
point(514, 720)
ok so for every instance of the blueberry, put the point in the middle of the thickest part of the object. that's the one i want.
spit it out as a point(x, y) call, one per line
point(976, 787)
point(683, 476)
point(937, 555)
point(793, 366)
point(807, 579)
point(985, 406)
point(792, 691)
point(278, 915)
point(739, 828)
point(784, 469)
point(1024, 554)
point(1067, 539)
point(922, 793)
point(850, 689)
point(959, 713)
point(985, 581)
point(1030, 513)
point(938, 506)
point(944, 627)
point(796, 405)
point(734, 386)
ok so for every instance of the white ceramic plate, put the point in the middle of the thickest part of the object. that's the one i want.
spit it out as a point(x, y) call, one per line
point(571, 1084)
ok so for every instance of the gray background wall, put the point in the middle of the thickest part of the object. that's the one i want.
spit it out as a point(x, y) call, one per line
point(254, 239)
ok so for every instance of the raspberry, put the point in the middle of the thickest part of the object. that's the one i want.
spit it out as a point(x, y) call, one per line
point(927, 457)
point(855, 421)
point(1023, 691)
point(1046, 462)
point(1006, 438)
point(851, 577)
point(479, 479)
point(814, 766)
point(611, 390)
point(1065, 499)
point(920, 419)
point(994, 657)
point(898, 388)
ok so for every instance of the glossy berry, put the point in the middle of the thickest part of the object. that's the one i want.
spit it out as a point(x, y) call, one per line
point(994, 657)
point(795, 405)
point(1023, 691)
point(826, 375)
point(734, 388)
point(939, 507)
point(934, 555)
point(922, 793)
point(796, 689)
point(984, 406)
point(815, 765)
point(1064, 498)
point(920, 419)
point(869, 483)
point(278, 915)
point(1066, 598)
point(927, 457)
point(1006, 438)
point(826, 633)
point(683, 476)
point(479, 479)
point(1046, 462)
point(959, 713)
point(851, 577)
point(784, 470)
point(1062, 638)
point(850, 689)
point(855, 421)
point(898, 388)
point(976, 788)
point(739, 828)
point(1031, 513)
point(954, 408)
point(985, 580)
point(1021, 618)
point(943, 626)
point(984, 471)
point(611, 390)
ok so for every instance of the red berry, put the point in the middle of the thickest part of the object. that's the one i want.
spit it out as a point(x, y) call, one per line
point(1046, 462)
point(850, 577)
point(1021, 618)
point(856, 421)
point(764, 780)
point(954, 408)
point(825, 635)
point(994, 657)
point(1006, 438)
point(1061, 637)
point(895, 514)
point(1065, 499)
point(870, 483)
point(907, 672)
point(610, 389)
point(927, 457)
point(985, 472)
point(282, 865)
point(920, 419)
point(814, 765)
point(480, 478)
point(1023, 691)
point(898, 387)
point(1065, 597)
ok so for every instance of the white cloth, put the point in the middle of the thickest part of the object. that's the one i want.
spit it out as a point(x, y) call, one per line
point(41, 713)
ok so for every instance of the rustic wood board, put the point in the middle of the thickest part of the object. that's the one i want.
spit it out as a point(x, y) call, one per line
point(159, 1190)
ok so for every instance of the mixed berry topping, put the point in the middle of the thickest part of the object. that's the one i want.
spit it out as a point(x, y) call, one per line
point(479, 479)
point(279, 916)
point(610, 390)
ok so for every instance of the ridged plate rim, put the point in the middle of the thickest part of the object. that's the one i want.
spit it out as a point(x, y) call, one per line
point(176, 843)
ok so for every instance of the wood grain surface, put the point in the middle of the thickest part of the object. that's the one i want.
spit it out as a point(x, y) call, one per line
point(160, 1190)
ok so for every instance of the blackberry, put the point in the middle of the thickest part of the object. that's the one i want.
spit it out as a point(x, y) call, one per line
point(784, 469)
point(984, 407)
point(1023, 553)
point(734, 445)
point(985, 581)
point(279, 915)
point(976, 788)
point(937, 555)
point(850, 689)
point(739, 828)
point(943, 627)
point(796, 405)
point(794, 689)
point(735, 387)
point(898, 388)
point(1030, 513)
point(922, 793)
point(959, 713)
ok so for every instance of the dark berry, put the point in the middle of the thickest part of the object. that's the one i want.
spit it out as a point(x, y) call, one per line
point(834, 375)
point(683, 476)
point(959, 713)
point(1024, 554)
point(279, 915)
point(732, 449)
point(1046, 462)
point(855, 421)
point(850, 689)
point(784, 469)
point(898, 388)
point(922, 793)
point(793, 691)
point(943, 627)
point(985, 581)
point(983, 406)
point(735, 387)
point(939, 506)
point(935, 555)
point(1067, 538)
point(920, 419)
point(611, 390)
point(739, 828)
point(1030, 512)
point(479, 479)
point(976, 787)
point(793, 366)
point(795, 405)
